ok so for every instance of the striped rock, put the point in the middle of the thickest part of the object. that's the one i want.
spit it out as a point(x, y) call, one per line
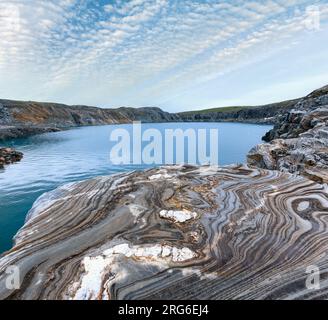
point(174, 233)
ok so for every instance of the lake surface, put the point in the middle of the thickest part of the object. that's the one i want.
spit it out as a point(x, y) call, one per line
point(53, 159)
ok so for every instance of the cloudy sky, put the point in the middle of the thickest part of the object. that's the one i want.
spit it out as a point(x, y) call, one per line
point(175, 54)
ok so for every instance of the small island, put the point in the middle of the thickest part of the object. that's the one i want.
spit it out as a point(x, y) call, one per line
point(9, 155)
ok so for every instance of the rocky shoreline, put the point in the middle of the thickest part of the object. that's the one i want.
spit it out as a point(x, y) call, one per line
point(15, 132)
point(8, 156)
point(174, 233)
point(184, 232)
point(20, 119)
point(299, 141)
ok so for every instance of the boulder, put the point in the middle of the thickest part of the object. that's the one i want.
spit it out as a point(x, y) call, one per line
point(9, 155)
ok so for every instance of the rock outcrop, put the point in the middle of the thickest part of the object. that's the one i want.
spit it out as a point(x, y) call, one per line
point(299, 142)
point(265, 114)
point(5, 115)
point(8, 156)
point(14, 132)
point(21, 113)
point(184, 232)
point(20, 119)
point(306, 114)
point(174, 233)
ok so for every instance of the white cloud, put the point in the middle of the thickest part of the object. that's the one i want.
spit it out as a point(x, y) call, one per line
point(138, 51)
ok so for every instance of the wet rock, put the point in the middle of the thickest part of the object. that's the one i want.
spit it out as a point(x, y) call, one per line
point(9, 155)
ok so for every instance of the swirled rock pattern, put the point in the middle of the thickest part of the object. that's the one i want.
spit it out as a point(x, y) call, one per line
point(174, 233)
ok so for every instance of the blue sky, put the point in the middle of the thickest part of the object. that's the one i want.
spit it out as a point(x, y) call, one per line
point(178, 55)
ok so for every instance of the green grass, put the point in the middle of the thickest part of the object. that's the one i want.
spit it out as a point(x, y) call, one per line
point(224, 109)
point(238, 108)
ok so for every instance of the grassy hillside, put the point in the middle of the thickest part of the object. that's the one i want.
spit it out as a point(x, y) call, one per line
point(283, 104)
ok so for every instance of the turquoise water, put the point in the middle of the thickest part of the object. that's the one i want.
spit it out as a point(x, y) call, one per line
point(53, 159)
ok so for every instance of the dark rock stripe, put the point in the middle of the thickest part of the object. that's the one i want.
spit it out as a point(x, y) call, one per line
point(251, 235)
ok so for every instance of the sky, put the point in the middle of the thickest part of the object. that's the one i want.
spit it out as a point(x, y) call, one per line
point(175, 54)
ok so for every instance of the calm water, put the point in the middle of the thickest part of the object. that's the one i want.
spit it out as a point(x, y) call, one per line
point(53, 159)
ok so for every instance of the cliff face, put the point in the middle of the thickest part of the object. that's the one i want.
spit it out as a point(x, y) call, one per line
point(173, 233)
point(18, 118)
point(50, 114)
point(299, 142)
point(266, 114)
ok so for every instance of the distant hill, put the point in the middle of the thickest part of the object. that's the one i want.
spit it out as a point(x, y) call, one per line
point(259, 114)
point(61, 115)
point(22, 118)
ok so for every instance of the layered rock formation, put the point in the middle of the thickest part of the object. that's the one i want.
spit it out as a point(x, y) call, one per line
point(174, 233)
point(18, 118)
point(236, 232)
point(8, 156)
point(299, 142)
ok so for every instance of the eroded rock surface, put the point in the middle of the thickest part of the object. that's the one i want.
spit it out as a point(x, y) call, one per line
point(174, 233)
point(306, 114)
point(299, 143)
